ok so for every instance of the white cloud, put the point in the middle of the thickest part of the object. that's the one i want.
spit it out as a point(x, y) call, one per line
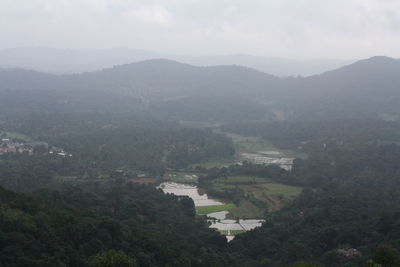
point(285, 28)
point(150, 15)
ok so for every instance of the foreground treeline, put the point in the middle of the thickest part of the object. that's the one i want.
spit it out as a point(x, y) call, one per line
point(123, 224)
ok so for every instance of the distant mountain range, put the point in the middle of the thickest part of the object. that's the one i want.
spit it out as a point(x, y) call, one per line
point(76, 61)
point(366, 89)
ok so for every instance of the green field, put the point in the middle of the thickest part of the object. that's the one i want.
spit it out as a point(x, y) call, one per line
point(274, 195)
point(228, 183)
point(253, 144)
point(231, 232)
point(18, 136)
point(386, 116)
point(199, 124)
point(246, 210)
point(66, 178)
point(258, 198)
point(287, 191)
point(242, 144)
point(181, 177)
point(249, 143)
point(216, 163)
point(209, 209)
point(255, 195)
point(97, 177)
point(241, 179)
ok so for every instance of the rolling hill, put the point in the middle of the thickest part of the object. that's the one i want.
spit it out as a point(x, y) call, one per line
point(64, 61)
point(367, 88)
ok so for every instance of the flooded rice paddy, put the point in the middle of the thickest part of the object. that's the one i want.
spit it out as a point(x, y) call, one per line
point(268, 157)
point(217, 219)
point(191, 191)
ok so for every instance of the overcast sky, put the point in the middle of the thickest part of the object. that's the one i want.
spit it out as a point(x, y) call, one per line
point(281, 28)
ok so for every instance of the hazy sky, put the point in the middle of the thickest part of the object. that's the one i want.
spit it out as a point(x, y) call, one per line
point(282, 28)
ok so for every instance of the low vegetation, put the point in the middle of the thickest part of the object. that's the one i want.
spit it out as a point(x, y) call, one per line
point(216, 208)
point(273, 195)
point(231, 232)
point(181, 177)
point(249, 143)
point(16, 136)
point(253, 195)
point(246, 209)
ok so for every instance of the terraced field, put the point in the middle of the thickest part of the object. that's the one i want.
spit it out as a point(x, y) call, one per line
point(256, 195)
point(274, 195)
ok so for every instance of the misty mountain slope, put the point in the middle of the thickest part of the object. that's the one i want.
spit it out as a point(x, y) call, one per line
point(75, 61)
point(20, 79)
point(165, 78)
point(362, 89)
point(29, 90)
point(272, 65)
point(160, 85)
point(365, 75)
point(65, 61)
point(180, 91)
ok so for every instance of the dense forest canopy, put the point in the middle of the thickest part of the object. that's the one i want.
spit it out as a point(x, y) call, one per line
point(104, 144)
point(71, 227)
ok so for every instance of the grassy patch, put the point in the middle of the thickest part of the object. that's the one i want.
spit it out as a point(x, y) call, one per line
point(216, 163)
point(18, 136)
point(245, 143)
point(209, 209)
point(274, 195)
point(199, 124)
point(250, 143)
point(387, 116)
point(246, 210)
point(231, 232)
point(255, 194)
point(66, 178)
point(288, 191)
point(181, 177)
point(224, 184)
point(242, 179)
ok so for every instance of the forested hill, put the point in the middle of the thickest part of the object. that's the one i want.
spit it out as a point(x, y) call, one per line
point(130, 225)
point(367, 88)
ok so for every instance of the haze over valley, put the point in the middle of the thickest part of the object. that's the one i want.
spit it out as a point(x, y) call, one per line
point(199, 133)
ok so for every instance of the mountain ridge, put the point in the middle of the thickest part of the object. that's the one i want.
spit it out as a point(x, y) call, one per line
point(365, 88)
point(76, 61)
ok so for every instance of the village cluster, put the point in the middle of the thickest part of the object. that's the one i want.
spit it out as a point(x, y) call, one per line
point(30, 148)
